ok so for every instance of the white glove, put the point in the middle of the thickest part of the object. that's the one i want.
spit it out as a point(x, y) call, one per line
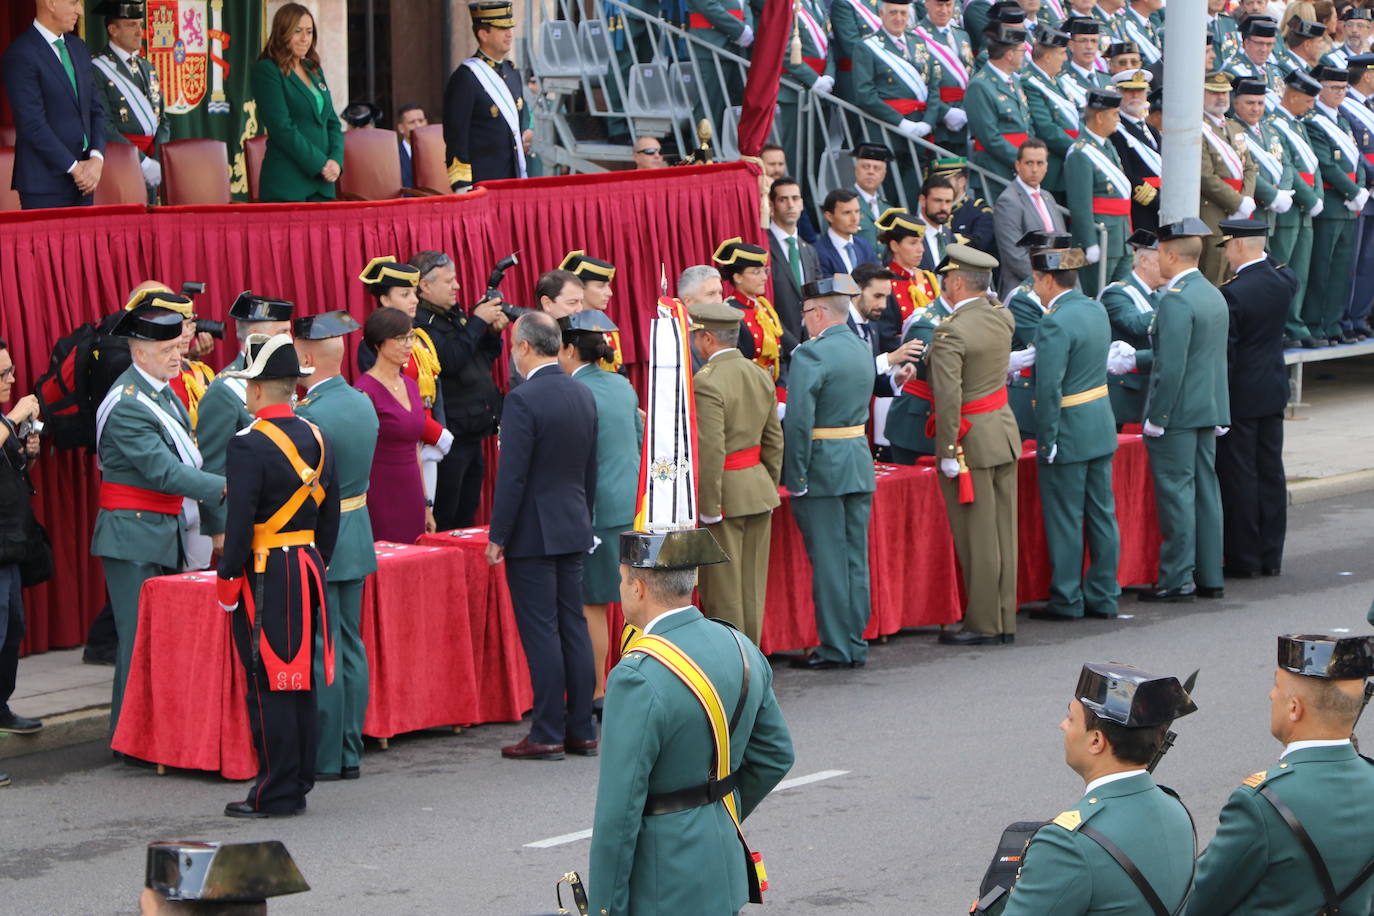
point(431, 453)
point(782, 411)
point(596, 542)
point(1283, 203)
point(824, 83)
point(1020, 359)
point(949, 467)
point(746, 38)
point(1152, 431)
point(956, 118)
point(1120, 357)
point(1221, 430)
point(228, 608)
point(1054, 450)
point(1317, 208)
point(1093, 254)
point(915, 130)
point(152, 171)
point(1364, 197)
point(1247, 206)
point(445, 443)
point(710, 519)
point(1357, 204)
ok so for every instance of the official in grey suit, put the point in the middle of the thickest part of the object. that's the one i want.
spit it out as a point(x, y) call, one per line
point(793, 260)
point(1017, 212)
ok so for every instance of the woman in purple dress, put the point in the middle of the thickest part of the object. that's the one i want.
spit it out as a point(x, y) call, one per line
point(396, 496)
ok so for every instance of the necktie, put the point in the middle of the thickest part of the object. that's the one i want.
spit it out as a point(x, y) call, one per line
point(851, 252)
point(794, 260)
point(863, 331)
point(66, 61)
point(1041, 209)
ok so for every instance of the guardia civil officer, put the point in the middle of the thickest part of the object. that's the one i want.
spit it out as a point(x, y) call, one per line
point(1125, 825)
point(674, 790)
point(349, 424)
point(279, 535)
point(134, 107)
point(1130, 305)
point(1294, 838)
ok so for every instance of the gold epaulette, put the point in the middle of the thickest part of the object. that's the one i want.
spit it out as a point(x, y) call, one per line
point(1175, 289)
point(1255, 779)
point(1069, 820)
point(459, 172)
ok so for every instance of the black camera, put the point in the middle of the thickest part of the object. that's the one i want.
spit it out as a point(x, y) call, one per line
point(498, 274)
point(203, 325)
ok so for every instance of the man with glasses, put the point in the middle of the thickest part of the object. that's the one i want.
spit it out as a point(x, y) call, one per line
point(649, 153)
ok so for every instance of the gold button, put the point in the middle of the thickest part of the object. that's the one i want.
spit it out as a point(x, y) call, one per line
point(138, 515)
point(1283, 766)
point(1092, 801)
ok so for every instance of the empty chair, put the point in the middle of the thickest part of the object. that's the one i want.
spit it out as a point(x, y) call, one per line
point(121, 179)
point(9, 200)
point(195, 172)
point(684, 84)
point(429, 157)
point(594, 47)
point(652, 93)
point(557, 55)
point(254, 151)
point(372, 167)
point(727, 140)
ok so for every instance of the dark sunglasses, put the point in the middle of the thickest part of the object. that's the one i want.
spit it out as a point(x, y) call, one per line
point(651, 151)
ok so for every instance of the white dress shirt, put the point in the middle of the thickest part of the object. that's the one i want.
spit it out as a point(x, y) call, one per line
point(1304, 745)
point(158, 384)
point(841, 245)
point(650, 625)
point(1101, 781)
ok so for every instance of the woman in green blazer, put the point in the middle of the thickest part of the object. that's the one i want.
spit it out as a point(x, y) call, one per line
point(304, 141)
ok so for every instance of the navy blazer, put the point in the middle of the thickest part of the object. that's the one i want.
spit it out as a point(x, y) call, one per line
point(50, 120)
point(831, 261)
point(407, 167)
point(1258, 299)
point(882, 383)
point(546, 480)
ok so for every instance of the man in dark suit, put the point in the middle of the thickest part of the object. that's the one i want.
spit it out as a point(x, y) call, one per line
point(541, 526)
point(794, 261)
point(407, 119)
point(485, 122)
point(59, 118)
point(1254, 495)
point(937, 206)
point(894, 367)
point(840, 248)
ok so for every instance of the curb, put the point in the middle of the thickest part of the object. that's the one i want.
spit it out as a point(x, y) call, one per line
point(59, 731)
point(1316, 488)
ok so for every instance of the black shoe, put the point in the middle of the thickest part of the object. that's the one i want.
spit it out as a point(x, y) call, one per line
point(598, 706)
point(1205, 592)
point(1046, 614)
point(328, 777)
point(11, 724)
point(1271, 572)
point(243, 810)
point(351, 773)
point(1362, 329)
point(1348, 338)
point(1314, 343)
point(970, 638)
point(1238, 574)
point(1008, 639)
point(98, 657)
point(814, 662)
point(1291, 343)
point(133, 761)
point(1337, 341)
point(858, 664)
point(1187, 593)
point(1099, 615)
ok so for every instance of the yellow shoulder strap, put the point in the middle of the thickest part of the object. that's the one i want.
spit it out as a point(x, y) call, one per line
point(310, 477)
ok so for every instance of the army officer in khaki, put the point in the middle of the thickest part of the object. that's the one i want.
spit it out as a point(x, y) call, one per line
point(977, 444)
point(1228, 171)
point(739, 463)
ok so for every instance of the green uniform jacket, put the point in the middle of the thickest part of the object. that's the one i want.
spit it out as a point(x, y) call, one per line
point(802, 72)
point(1255, 865)
point(349, 423)
point(953, 41)
point(1268, 185)
point(1067, 874)
point(1111, 25)
point(968, 360)
point(868, 229)
point(737, 408)
point(1070, 358)
point(1219, 199)
point(1337, 167)
point(1188, 379)
point(1085, 180)
point(1025, 307)
point(119, 112)
point(1304, 195)
point(1225, 35)
point(724, 26)
point(219, 416)
point(302, 135)
point(655, 739)
point(619, 440)
point(1132, 325)
point(875, 82)
point(995, 107)
point(1050, 121)
point(1083, 79)
point(906, 418)
point(135, 449)
point(848, 30)
point(975, 20)
point(829, 385)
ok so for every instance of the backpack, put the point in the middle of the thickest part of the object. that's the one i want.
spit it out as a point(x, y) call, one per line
point(84, 364)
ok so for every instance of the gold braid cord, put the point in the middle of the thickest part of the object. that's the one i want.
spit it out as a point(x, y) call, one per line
point(427, 364)
point(771, 349)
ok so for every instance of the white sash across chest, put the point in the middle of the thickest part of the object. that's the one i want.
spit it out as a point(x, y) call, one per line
point(1120, 184)
point(1265, 158)
point(139, 104)
point(1148, 155)
point(866, 15)
point(1299, 143)
point(905, 71)
point(1066, 107)
point(948, 56)
point(1142, 38)
point(813, 28)
point(1338, 136)
point(499, 92)
point(1228, 155)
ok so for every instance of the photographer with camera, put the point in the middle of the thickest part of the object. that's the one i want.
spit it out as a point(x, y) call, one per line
point(467, 345)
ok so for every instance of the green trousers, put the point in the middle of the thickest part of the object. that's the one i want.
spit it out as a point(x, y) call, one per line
point(1292, 245)
point(735, 591)
point(835, 530)
point(341, 706)
point(1078, 506)
point(1188, 502)
point(1328, 284)
point(124, 580)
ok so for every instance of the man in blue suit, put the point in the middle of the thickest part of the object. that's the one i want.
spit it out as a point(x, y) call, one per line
point(58, 115)
point(840, 248)
point(407, 120)
point(541, 526)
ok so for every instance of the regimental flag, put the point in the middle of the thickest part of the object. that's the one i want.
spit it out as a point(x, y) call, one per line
point(668, 465)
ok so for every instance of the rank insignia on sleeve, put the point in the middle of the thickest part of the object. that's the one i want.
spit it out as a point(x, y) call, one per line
point(1069, 820)
point(1254, 779)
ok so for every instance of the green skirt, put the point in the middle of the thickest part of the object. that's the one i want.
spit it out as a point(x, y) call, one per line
point(601, 569)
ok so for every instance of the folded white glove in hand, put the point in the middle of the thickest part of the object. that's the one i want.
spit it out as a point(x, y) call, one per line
point(824, 83)
point(1247, 206)
point(1221, 430)
point(1153, 431)
point(431, 453)
point(746, 38)
point(1020, 359)
point(956, 119)
point(1093, 254)
point(914, 129)
point(1356, 205)
point(1120, 357)
point(445, 442)
point(1317, 208)
point(1283, 203)
point(596, 542)
point(710, 519)
point(949, 467)
point(1054, 450)
point(152, 172)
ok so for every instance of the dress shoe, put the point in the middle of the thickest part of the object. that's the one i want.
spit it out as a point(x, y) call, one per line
point(1204, 591)
point(1291, 343)
point(815, 662)
point(529, 750)
point(582, 748)
point(1239, 574)
point(1008, 639)
point(970, 638)
point(1362, 329)
point(244, 810)
point(1099, 615)
point(1336, 341)
point(11, 724)
point(133, 761)
point(351, 773)
point(98, 657)
point(1314, 343)
point(858, 664)
point(1187, 593)
point(1047, 614)
point(1272, 572)
point(1349, 338)
point(328, 777)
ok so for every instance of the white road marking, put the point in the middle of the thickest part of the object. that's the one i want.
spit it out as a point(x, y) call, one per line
point(566, 838)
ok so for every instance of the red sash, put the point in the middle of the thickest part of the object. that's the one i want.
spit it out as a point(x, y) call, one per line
point(1350, 175)
point(1235, 183)
point(1308, 177)
point(905, 106)
point(698, 21)
point(1014, 139)
point(920, 389)
point(987, 404)
point(951, 94)
point(143, 142)
point(744, 458)
point(844, 64)
point(1112, 206)
point(123, 496)
point(1071, 133)
point(1152, 181)
point(815, 63)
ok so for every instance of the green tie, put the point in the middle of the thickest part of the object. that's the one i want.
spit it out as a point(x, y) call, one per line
point(66, 61)
point(794, 260)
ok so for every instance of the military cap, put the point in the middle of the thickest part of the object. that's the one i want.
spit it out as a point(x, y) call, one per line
point(148, 322)
point(222, 872)
point(387, 271)
point(1240, 229)
point(163, 298)
point(966, 257)
point(1188, 227)
point(897, 2)
point(250, 307)
point(323, 327)
point(592, 321)
point(587, 267)
point(1209, 40)
point(1359, 61)
point(1117, 48)
point(1356, 12)
point(138, 296)
point(684, 549)
point(1259, 27)
point(1039, 239)
point(1329, 657)
point(1058, 259)
point(499, 14)
point(1005, 34)
point(948, 165)
point(738, 253)
point(1305, 28)
point(1082, 25)
point(361, 114)
point(836, 285)
point(1143, 238)
point(1133, 79)
point(896, 223)
point(1103, 99)
point(873, 151)
point(120, 9)
point(1217, 81)
point(1302, 82)
point(713, 316)
point(267, 358)
point(1006, 11)
point(1247, 86)
point(1323, 73)
point(1051, 38)
point(1131, 697)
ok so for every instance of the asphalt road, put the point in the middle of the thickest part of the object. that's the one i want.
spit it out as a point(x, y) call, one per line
point(938, 749)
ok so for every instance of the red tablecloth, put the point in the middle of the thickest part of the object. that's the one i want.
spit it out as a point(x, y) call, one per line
point(440, 639)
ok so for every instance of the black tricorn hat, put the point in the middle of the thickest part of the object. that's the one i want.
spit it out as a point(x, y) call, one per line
point(1143, 238)
point(684, 549)
point(1051, 38)
point(361, 114)
point(1103, 99)
point(387, 271)
point(1132, 697)
point(1330, 657)
point(1041, 239)
point(1360, 61)
point(835, 285)
point(250, 307)
point(587, 321)
point(873, 151)
point(222, 872)
point(1188, 227)
point(1058, 259)
point(1305, 28)
point(1259, 27)
point(1117, 48)
point(1006, 11)
point(1324, 73)
point(323, 327)
point(120, 9)
point(1247, 86)
point(587, 267)
point(1240, 229)
point(1356, 12)
point(1302, 82)
point(1082, 25)
point(149, 322)
point(1003, 33)
point(267, 358)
